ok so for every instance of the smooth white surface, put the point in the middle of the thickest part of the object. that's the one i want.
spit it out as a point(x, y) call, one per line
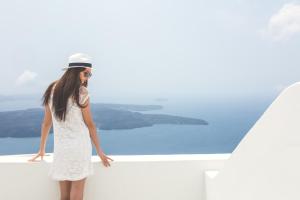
point(137, 177)
point(265, 165)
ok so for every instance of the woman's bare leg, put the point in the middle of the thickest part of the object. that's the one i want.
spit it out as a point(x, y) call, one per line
point(77, 188)
point(65, 189)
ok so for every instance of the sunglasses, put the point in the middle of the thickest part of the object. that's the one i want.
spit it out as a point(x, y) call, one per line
point(87, 74)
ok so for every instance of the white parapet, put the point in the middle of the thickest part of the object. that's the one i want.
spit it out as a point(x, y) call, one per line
point(132, 177)
point(265, 165)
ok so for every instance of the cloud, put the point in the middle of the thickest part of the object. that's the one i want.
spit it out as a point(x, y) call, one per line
point(26, 77)
point(284, 24)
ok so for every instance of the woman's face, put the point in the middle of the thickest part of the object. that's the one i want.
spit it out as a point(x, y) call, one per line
point(82, 76)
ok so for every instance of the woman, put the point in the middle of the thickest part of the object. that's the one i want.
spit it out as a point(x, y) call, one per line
point(67, 106)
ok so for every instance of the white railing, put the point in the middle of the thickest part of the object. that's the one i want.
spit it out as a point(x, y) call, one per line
point(133, 177)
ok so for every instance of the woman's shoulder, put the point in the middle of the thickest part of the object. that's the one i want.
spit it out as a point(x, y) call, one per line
point(83, 94)
point(83, 90)
point(53, 84)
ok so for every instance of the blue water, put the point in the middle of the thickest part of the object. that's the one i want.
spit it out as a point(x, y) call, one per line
point(228, 123)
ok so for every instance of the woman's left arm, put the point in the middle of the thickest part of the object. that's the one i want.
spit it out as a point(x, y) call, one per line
point(46, 125)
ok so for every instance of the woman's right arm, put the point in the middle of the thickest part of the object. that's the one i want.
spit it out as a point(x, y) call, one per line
point(84, 99)
point(87, 117)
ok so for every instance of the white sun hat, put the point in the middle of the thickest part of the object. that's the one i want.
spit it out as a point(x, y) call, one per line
point(79, 60)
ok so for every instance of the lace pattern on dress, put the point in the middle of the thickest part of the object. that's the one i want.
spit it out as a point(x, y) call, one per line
point(72, 143)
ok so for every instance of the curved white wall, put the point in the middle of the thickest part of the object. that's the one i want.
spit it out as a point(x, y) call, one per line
point(266, 163)
point(134, 177)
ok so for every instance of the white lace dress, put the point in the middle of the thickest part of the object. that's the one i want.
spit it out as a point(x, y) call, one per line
point(72, 143)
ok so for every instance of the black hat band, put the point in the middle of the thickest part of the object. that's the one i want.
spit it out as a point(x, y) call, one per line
point(81, 64)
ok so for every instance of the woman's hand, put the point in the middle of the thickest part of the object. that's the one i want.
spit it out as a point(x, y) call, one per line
point(40, 153)
point(105, 159)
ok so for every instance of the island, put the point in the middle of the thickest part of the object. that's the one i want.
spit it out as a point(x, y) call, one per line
point(27, 122)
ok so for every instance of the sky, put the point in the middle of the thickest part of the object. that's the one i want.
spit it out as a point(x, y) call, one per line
point(144, 49)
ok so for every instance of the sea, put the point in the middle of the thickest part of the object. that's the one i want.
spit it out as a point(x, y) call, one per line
point(228, 122)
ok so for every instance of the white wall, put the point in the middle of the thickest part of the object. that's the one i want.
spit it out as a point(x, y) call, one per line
point(266, 163)
point(140, 177)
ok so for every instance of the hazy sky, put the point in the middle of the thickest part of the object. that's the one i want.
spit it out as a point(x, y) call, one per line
point(152, 49)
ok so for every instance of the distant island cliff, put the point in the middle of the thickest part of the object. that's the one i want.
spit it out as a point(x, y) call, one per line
point(27, 123)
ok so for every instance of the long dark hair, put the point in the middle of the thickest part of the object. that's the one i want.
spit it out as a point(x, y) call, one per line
point(67, 86)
